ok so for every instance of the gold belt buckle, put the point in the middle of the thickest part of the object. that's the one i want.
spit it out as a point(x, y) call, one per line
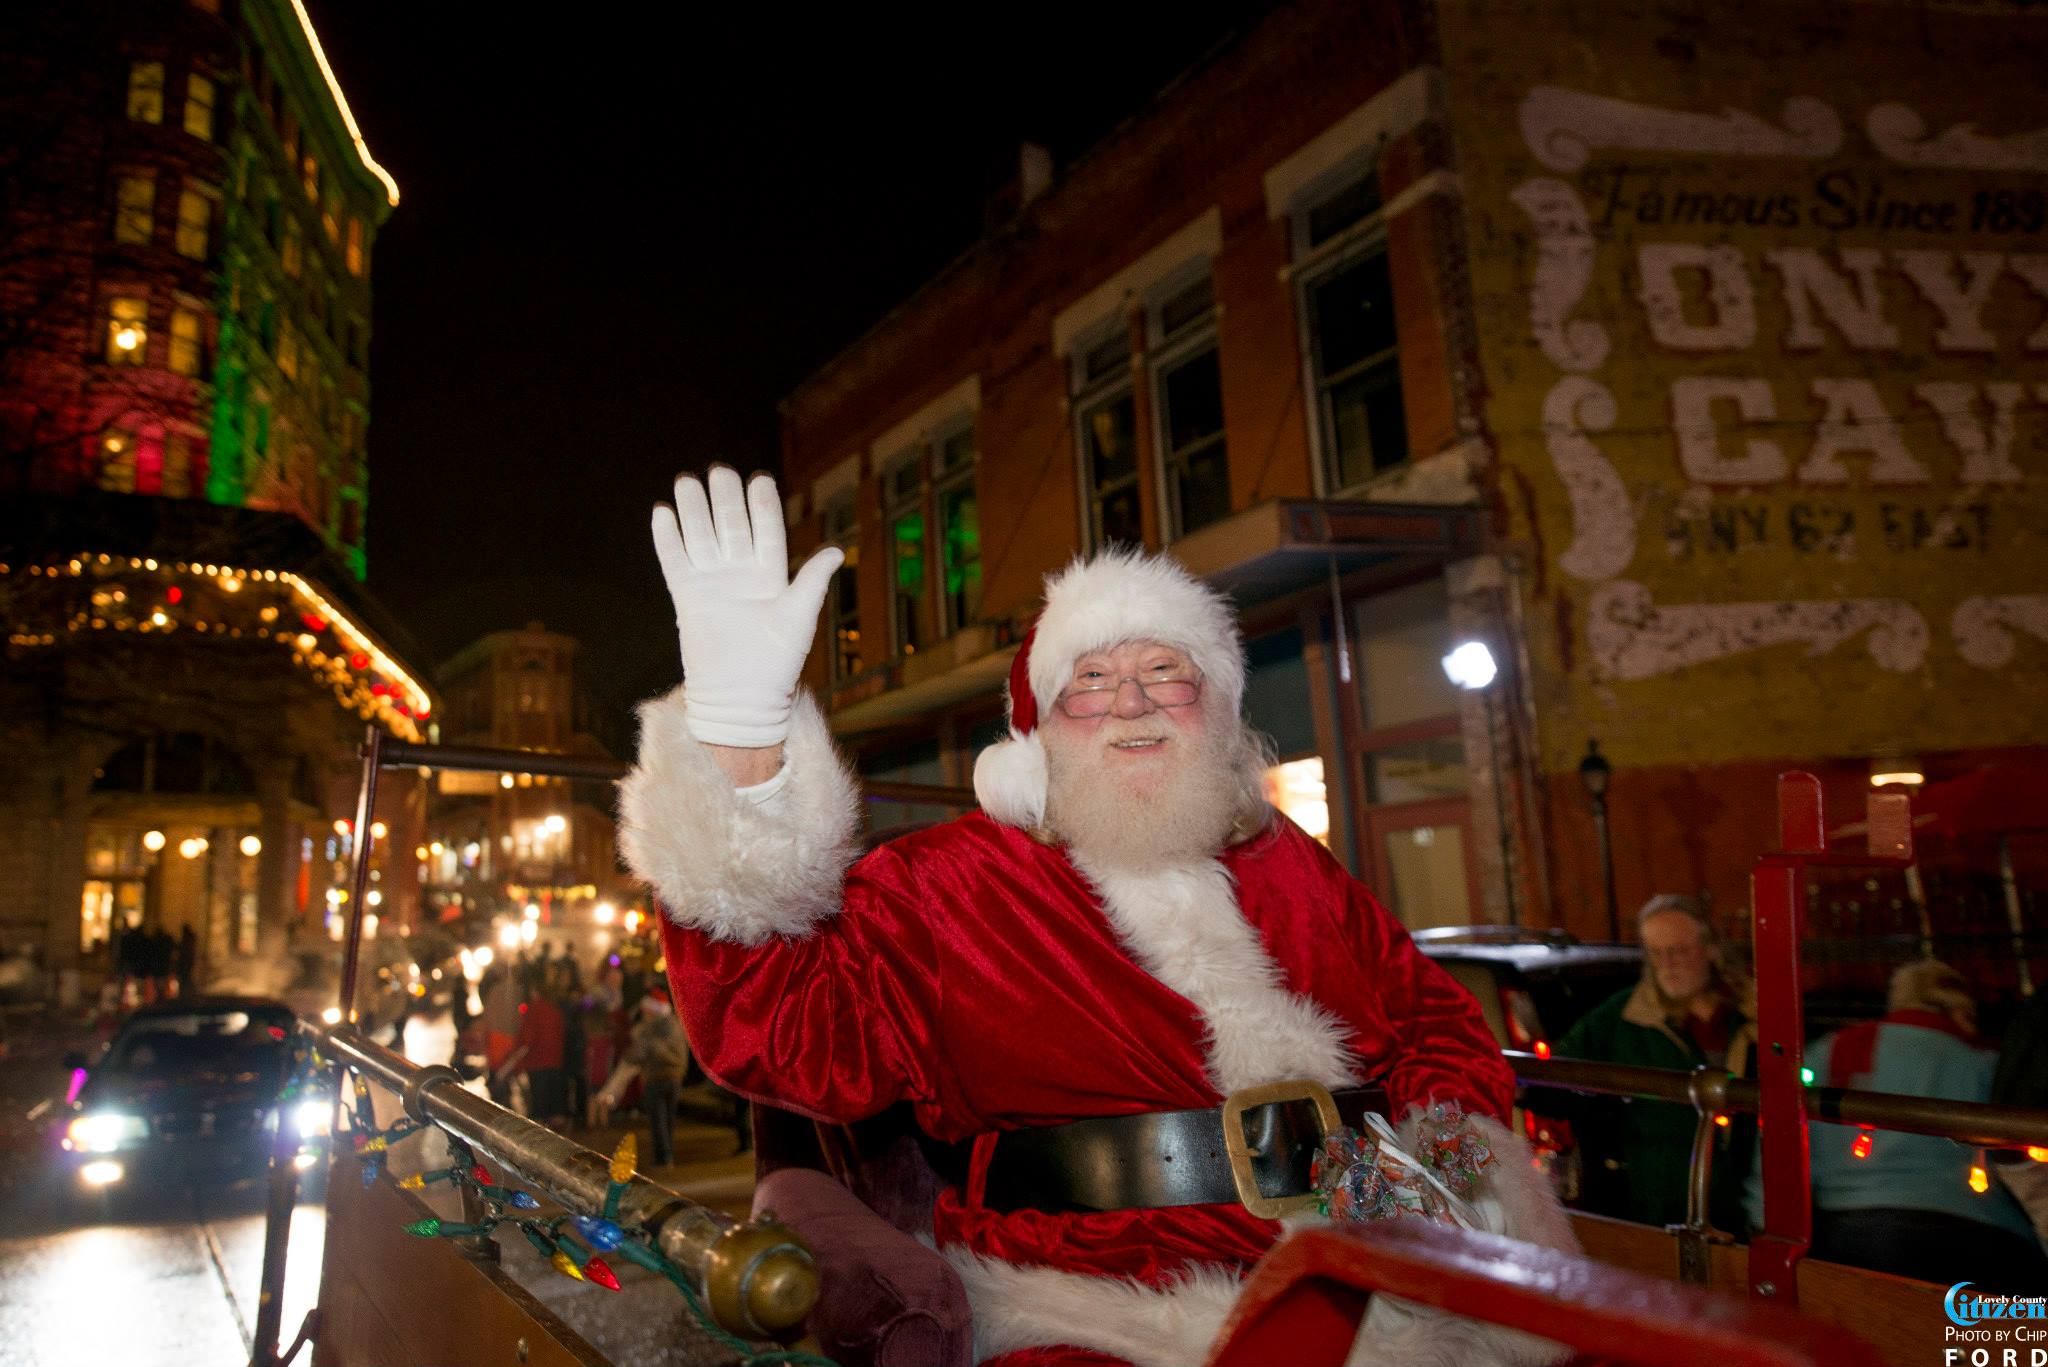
point(1242, 1153)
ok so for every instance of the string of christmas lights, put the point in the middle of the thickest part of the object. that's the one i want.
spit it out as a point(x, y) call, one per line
point(574, 1245)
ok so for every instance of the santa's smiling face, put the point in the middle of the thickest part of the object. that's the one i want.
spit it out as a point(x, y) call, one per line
point(1137, 771)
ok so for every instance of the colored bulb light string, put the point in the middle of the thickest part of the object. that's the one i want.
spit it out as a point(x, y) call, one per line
point(573, 1245)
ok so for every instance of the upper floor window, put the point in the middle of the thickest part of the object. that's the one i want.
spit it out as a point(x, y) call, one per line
point(199, 97)
point(127, 329)
point(176, 479)
point(1347, 306)
point(309, 176)
point(1106, 439)
point(117, 460)
point(195, 224)
point(843, 605)
point(187, 342)
point(953, 493)
point(330, 216)
point(903, 522)
point(353, 254)
point(1187, 390)
point(292, 254)
point(135, 210)
point(146, 92)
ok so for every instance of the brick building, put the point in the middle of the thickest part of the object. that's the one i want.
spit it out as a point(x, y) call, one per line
point(185, 242)
point(1350, 321)
point(500, 843)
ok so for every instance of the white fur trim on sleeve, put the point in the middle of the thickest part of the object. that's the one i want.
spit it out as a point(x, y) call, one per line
point(738, 870)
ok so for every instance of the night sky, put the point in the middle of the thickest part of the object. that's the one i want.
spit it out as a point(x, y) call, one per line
point(618, 246)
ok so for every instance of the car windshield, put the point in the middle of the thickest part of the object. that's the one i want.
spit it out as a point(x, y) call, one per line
point(197, 1038)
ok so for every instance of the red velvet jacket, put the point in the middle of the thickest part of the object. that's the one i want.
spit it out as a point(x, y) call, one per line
point(974, 973)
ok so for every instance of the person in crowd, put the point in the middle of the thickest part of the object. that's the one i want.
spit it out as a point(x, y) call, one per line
point(1691, 1008)
point(542, 1033)
point(2022, 1080)
point(662, 1054)
point(499, 991)
point(187, 961)
point(163, 955)
point(1904, 1203)
point(575, 1013)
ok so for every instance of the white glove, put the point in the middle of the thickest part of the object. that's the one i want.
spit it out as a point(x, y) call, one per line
point(745, 627)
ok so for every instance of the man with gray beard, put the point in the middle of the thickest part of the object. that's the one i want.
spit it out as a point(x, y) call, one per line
point(1070, 983)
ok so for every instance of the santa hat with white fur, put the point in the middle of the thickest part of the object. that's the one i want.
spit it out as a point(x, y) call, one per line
point(1102, 601)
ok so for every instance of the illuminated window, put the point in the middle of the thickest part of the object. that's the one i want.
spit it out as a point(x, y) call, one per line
point(117, 460)
point(288, 348)
point(959, 530)
point(1106, 438)
point(1347, 304)
point(135, 210)
point(186, 343)
point(844, 601)
point(199, 106)
point(176, 481)
point(903, 523)
point(309, 176)
point(354, 253)
point(288, 134)
point(1187, 393)
point(127, 330)
point(195, 224)
point(292, 255)
point(146, 92)
point(330, 216)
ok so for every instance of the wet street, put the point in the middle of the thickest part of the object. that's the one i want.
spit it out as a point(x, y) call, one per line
point(169, 1276)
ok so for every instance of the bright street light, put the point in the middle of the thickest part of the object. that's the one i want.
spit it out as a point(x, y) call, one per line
point(1470, 665)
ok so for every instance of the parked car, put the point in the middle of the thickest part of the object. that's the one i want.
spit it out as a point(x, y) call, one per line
point(1533, 985)
point(189, 1090)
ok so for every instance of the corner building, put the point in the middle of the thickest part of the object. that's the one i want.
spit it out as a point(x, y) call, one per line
point(1693, 366)
point(190, 655)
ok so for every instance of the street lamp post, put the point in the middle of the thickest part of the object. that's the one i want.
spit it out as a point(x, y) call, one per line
point(1594, 774)
point(1470, 666)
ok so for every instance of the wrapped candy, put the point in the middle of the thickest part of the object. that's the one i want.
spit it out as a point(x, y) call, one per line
point(1368, 1176)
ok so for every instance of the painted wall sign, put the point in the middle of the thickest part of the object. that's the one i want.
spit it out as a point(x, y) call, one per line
point(1763, 314)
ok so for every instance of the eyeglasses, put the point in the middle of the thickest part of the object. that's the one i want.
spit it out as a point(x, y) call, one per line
point(1086, 704)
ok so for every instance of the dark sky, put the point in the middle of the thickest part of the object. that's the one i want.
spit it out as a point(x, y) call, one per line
point(620, 243)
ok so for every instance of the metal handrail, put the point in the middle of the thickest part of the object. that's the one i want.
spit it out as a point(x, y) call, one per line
point(758, 1277)
point(1976, 1124)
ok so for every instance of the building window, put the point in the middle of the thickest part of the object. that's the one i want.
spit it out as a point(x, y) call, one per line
point(1348, 308)
point(1187, 389)
point(288, 348)
point(186, 344)
point(127, 330)
point(292, 255)
point(199, 106)
point(176, 481)
point(309, 176)
point(903, 524)
point(959, 530)
point(195, 224)
point(1106, 437)
point(146, 92)
point(117, 460)
point(354, 251)
point(844, 602)
point(288, 134)
point(330, 217)
point(135, 210)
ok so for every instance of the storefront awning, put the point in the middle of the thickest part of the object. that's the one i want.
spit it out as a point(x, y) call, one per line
point(1285, 545)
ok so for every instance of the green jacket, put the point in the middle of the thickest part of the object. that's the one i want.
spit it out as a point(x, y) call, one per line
point(1637, 1154)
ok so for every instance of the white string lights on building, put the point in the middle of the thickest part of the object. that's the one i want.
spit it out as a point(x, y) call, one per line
point(145, 596)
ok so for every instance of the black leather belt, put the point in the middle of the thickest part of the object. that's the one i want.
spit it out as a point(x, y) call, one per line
point(1163, 1158)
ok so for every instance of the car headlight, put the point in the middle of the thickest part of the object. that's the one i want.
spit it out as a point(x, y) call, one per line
point(106, 1131)
point(314, 1118)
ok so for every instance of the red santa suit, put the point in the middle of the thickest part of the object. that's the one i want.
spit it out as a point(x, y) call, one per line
point(993, 982)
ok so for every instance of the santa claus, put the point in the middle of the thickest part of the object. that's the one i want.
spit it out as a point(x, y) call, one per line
point(1074, 982)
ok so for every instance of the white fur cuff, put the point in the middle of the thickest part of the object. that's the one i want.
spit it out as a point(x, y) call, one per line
point(738, 870)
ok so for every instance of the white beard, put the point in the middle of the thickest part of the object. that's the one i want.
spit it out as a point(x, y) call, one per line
point(1141, 821)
